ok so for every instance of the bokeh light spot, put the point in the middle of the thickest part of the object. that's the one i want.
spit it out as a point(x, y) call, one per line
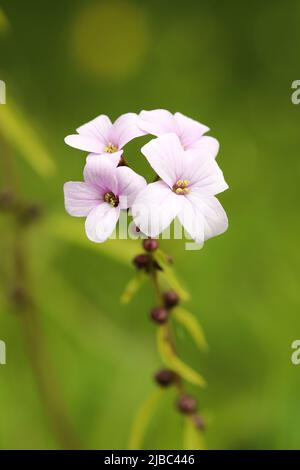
point(109, 40)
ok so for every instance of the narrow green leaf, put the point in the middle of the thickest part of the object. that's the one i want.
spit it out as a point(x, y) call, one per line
point(169, 274)
point(191, 324)
point(171, 360)
point(72, 231)
point(19, 133)
point(132, 287)
point(142, 420)
point(193, 438)
point(4, 23)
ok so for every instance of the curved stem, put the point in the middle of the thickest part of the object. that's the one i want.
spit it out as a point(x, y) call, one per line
point(28, 314)
point(179, 383)
point(154, 277)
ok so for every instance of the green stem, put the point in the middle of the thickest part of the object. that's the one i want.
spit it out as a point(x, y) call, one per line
point(28, 314)
point(169, 335)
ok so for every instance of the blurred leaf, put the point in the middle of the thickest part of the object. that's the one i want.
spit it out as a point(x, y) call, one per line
point(168, 272)
point(4, 23)
point(16, 129)
point(132, 287)
point(171, 360)
point(142, 420)
point(191, 324)
point(193, 438)
point(72, 230)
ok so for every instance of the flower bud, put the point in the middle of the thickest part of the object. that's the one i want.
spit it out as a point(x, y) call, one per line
point(159, 315)
point(165, 377)
point(7, 199)
point(171, 298)
point(142, 261)
point(199, 422)
point(150, 244)
point(19, 296)
point(31, 213)
point(187, 404)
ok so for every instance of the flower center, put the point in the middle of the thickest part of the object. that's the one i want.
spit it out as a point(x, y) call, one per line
point(181, 187)
point(111, 199)
point(110, 148)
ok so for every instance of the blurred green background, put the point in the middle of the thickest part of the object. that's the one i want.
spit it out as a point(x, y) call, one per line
point(229, 65)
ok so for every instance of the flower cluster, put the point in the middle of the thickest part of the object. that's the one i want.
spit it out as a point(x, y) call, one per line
point(188, 176)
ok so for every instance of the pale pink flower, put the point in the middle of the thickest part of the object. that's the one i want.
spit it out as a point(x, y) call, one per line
point(101, 137)
point(186, 190)
point(106, 190)
point(190, 132)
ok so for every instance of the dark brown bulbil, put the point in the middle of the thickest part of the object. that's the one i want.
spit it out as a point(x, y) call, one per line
point(199, 422)
point(165, 377)
point(142, 261)
point(159, 315)
point(7, 199)
point(150, 244)
point(171, 298)
point(19, 296)
point(187, 404)
point(31, 213)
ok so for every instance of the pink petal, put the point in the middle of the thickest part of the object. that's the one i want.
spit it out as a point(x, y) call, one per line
point(203, 217)
point(98, 128)
point(204, 174)
point(207, 147)
point(192, 220)
point(124, 129)
point(113, 158)
point(88, 143)
point(80, 198)
point(101, 222)
point(129, 185)
point(166, 156)
point(157, 122)
point(155, 208)
point(101, 173)
point(189, 130)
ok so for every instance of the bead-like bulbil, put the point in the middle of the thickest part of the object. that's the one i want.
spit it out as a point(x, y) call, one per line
point(159, 315)
point(150, 244)
point(187, 404)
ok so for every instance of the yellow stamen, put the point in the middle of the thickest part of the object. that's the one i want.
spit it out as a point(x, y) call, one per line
point(110, 148)
point(111, 199)
point(181, 187)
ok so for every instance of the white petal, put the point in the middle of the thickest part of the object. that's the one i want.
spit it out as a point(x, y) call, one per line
point(206, 146)
point(88, 143)
point(192, 220)
point(157, 122)
point(129, 185)
point(80, 198)
point(98, 127)
point(189, 130)
point(113, 158)
point(100, 172)
point(166, 156)
point(204, 174)
point(203, 217)
point(155, 208)
point(101, 222)
point(124, 129)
